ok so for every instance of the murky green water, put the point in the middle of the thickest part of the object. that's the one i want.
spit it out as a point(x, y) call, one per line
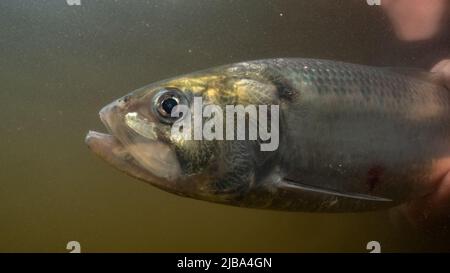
point(60, 64)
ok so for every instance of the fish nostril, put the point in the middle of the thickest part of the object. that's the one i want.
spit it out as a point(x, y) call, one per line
point(106, 113)
point(122, 102)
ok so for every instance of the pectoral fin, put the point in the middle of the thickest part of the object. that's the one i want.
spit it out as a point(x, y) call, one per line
point(289, 185)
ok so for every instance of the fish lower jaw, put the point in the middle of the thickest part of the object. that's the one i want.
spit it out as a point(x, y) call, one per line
point(111, 150)
point(105, 146)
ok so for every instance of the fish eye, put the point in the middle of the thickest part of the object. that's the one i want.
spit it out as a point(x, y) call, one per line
point(165, 101)
point(168, 104)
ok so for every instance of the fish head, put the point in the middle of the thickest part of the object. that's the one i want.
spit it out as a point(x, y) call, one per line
point(141, 142)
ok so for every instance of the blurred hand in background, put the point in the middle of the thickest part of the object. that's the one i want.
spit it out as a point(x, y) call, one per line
point(422, 20)
point(416, 20)
point(443, 71)
point(433, 211)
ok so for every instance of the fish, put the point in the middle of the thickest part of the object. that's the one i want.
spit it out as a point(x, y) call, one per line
point(352, 137)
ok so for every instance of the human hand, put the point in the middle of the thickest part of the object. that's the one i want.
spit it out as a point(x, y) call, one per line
point(442, 69)
point(415, 20)
point(433, 210)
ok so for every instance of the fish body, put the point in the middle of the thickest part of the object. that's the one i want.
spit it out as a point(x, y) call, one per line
point(351, 137)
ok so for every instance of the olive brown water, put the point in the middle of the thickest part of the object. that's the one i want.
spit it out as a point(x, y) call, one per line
point(61, 63)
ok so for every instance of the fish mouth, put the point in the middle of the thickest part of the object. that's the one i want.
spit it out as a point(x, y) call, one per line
point(110, 149)
point(122, 155)
point(106, 145)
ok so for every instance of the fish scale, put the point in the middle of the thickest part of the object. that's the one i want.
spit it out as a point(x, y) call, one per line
point(361, 118)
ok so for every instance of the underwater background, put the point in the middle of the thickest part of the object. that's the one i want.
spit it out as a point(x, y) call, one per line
point(59, 64)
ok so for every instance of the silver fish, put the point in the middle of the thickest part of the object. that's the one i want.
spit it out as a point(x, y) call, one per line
point(352, 137)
